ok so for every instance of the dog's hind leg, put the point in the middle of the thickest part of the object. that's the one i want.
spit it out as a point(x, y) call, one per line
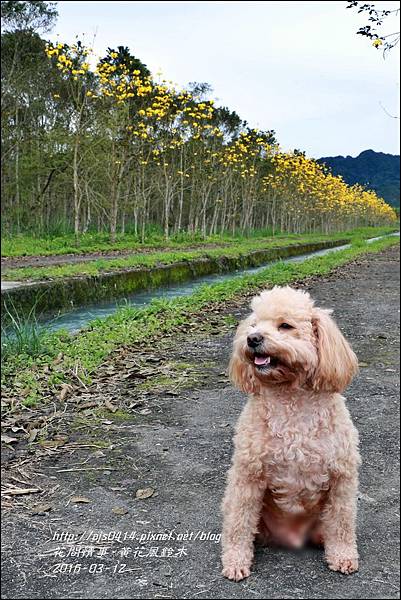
point(263, 536)
point(316, 537)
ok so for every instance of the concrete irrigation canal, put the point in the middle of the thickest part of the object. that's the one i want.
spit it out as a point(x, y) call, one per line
point(71, 303)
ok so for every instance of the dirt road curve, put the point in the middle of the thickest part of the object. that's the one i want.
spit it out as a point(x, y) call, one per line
point(53, 260)
point(178, 443)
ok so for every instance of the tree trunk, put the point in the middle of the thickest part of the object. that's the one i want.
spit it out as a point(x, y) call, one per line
point(113, 213)
point(77, 198)
point(17, 181)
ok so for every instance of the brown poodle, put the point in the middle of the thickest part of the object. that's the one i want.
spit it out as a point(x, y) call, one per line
point(294, 473)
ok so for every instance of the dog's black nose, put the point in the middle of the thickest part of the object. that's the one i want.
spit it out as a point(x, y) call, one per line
point(254, 340)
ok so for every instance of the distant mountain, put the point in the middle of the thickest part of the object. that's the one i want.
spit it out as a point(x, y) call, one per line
point(375, 170)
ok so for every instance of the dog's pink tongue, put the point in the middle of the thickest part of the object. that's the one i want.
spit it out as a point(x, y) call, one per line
point(262, 360)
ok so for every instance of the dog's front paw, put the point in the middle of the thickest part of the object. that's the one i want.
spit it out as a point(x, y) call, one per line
point(237, 563)
point(344, 562)
point(236, 572)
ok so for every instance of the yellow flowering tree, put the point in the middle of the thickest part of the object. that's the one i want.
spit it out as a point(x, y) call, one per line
point(146, 153)
point(72, 62)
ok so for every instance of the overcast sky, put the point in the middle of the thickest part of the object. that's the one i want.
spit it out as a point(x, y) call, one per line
point(296, 67)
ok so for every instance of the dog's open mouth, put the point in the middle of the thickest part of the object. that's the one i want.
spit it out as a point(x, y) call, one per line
point(264, 362)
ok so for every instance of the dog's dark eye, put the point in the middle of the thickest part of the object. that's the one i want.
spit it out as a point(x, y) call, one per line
point(286, 326)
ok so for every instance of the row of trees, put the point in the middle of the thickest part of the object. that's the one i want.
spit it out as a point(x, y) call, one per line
point(101, 144)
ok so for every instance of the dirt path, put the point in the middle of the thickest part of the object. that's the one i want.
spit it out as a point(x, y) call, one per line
point(175, 438)
point(53, 260)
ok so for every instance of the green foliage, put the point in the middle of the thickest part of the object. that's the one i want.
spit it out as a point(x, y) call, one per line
point(377, 17)
point(32, 15)
point(151, 259)
point(85, 351)
point(96, 143)
point(23, 335)
point(27, 245)
point(375, 170)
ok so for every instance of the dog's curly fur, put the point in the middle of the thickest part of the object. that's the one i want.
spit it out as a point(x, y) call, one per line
point(294, 473)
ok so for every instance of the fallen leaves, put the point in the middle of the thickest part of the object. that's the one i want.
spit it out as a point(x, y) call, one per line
point(137, 374)
point(14, 491)
point(117, 510)
point(6, 439)
point(32, 435)
point(80, 500)
point(89, 404)
point(111, 407)
point(144, 493)
point(41, 509)
point(58, 359)
point(29, 424)
point(75, 470)
point(66, 389)
point(56, 443)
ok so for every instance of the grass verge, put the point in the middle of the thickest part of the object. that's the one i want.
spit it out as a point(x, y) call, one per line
point(29, 378)
point(23, 334)
point(27, 245)
point(149, 260)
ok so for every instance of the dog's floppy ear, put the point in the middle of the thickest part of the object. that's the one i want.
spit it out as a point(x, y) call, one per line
point(337, 363)
point(241, 374)
point(239, 370)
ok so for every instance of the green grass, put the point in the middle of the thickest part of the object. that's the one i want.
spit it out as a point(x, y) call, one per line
point(28, 245)
point(149, 260)
point(23, 334)
point(84, 352)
